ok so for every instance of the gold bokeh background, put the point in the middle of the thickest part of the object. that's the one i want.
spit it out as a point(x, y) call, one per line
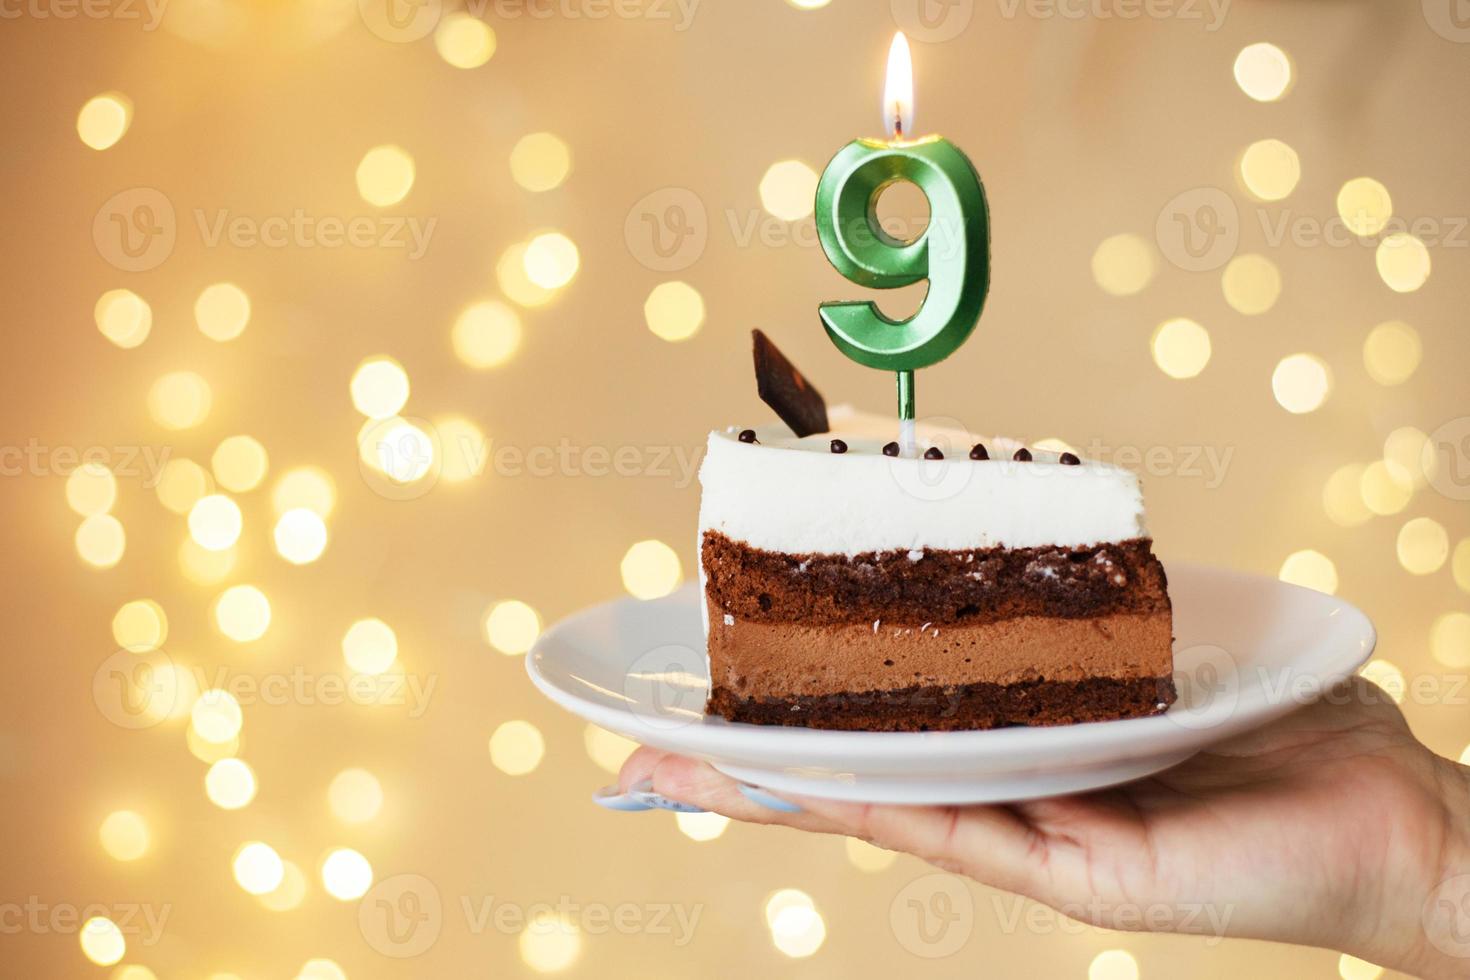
point(1085, 122)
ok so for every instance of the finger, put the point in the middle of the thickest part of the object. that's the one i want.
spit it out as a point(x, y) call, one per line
point(639, 766)
point(990, 843)
point(689, 781)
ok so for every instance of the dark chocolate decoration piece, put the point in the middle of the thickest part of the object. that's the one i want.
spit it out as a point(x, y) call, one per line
point(839, 447)
point(891, 449)
point(1070, 459)
point(1023, 455)
point(747, 435)
point(978, 452)
point(787, 390)
point(933, 453)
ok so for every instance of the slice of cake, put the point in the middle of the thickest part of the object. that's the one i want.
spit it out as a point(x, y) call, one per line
point(970, 584)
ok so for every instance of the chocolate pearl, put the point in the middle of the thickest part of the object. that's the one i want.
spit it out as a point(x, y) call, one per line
point(1022, 455)
point(891, 449)
point(933, 453)
point(747, 435)
point(839, 447)
point(978, 452)
point(1070, 459)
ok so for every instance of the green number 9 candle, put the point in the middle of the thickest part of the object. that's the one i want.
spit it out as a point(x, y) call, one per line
point(953, 253)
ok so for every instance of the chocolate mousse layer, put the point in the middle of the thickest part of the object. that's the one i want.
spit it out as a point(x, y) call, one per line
point(937, 587)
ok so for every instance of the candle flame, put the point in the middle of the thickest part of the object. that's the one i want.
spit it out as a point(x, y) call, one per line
point(898, 89)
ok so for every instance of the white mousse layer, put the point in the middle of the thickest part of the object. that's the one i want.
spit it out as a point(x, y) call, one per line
point(796, 496)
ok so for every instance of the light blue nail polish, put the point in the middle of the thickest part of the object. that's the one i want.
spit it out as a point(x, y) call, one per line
point(643, 792)
point(763, 798)
point(611, 798)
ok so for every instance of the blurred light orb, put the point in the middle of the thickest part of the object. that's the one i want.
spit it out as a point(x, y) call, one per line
point(258, 868)
point(1342, 497)
point(1382, 491)
point(355, 796)
point(179, 400)
point(1251, 284)
point(1301, 383)
point(215, 716)
point(808, 4)
point(1263, 71)
point(550, 942)
point(789, 190)
point(1364, 206)
point(651, 569)
point(1181, 348)
point(321, 969)
point(1270, 169)
point(123, 317)
point(91, 489)
point(100, 541)
point(463, 40)
point(379, 387)
point(464, 449)
point(385, 175)
point(1113, 964)
point(674, 311)
point(1122, 265)
point(1449, 640)
point(124, 835)
point(166, 693)
point(290, 893)
point(239, 463)
point(608, 750)
point(701, 826)
point(230, 784)
point(510, 273)
point(1391, 353)
point(797, 928)
point(551, 260)
point(868, 857)
point(516, 747)
point(104, 119)
point(210, 752)
point(486, 335)
point(308, 487)
point(346, 874)
point(1309, 569)
point(242, 613)
point(140, 626)
point(1423, 546)
point(222, 311)
point(1387, 676)
point(301, 536)
point(132, 971)
point(397, 448)
point(1460, 564)
point(370, 646)
point(1403, 262)
point(215, 522)
point(182, 484)
point(202, 566)
point(102, 941)
point(511, 626)
point(1352, 968)
point(1409, 456)
point(540, 161)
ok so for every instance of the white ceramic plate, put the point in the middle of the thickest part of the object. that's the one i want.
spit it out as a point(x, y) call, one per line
point(1247, 649)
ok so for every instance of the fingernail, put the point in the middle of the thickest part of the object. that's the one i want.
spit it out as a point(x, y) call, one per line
point(642, 791)
point(611, 798)
point(763, 798)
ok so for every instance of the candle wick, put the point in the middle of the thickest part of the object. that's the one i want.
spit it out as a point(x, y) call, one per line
point(897, 121)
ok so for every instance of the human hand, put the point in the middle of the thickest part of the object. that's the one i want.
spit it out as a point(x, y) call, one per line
point(1330, 827)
